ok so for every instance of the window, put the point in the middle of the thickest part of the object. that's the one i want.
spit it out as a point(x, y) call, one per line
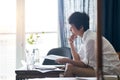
point(41, 18)
point(7, 39)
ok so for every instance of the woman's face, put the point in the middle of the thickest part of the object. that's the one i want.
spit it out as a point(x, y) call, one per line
point(75, 31)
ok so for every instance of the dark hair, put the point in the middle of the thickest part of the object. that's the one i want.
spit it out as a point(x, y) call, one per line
point(79, 19)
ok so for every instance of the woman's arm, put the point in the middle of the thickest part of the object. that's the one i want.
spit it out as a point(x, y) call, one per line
point(73, 50)
point(73, 62)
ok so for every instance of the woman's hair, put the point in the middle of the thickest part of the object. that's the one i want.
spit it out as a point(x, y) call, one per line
point(79, 20)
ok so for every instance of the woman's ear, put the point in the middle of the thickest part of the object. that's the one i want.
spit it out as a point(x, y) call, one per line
point(81, 31)
point(82, 28)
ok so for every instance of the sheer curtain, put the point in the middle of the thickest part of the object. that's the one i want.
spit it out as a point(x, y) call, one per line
point(7, 39)
point(66, 8)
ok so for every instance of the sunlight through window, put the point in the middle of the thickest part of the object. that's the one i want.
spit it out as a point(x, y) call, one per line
point(41, 17)
point(7, 39)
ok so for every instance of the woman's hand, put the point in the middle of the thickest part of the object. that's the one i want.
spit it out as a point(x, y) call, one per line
point(72, 38)
point(63, 60)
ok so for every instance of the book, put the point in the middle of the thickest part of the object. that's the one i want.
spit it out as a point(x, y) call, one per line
point(54, 57)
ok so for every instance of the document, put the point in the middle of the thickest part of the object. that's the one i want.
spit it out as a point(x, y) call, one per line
point(45, 67)
point(48, 68)
point(54, 57)
point(86, 78)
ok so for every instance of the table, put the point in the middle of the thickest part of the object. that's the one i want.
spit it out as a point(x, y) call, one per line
point(23, 73)
point(53, 75)
point(77, 78)
point(68, 78)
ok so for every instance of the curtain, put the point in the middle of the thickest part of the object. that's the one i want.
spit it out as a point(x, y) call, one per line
point(111, 22)
point(66, 8)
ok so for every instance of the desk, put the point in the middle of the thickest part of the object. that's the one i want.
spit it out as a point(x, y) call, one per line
point(77, 78)
point(68, 78)
point(53, 75)
point(25, 74)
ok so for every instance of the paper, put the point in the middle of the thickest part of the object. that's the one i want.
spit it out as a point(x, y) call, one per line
point(45, 67)
point(50, 70)
point(54, 57)
point(86, 78)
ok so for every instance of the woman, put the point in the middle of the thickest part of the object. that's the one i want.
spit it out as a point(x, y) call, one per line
point(84, 61)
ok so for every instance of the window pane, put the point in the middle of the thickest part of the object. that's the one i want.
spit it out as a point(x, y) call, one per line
point(41, 15)
point(45, 42)
point(7, 16)
point(7, 56)
point(7, 39)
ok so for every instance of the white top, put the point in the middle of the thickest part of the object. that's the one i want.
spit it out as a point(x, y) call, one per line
point(111, 63)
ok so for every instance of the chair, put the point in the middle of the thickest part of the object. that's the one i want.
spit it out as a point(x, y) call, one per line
point(61, 51)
